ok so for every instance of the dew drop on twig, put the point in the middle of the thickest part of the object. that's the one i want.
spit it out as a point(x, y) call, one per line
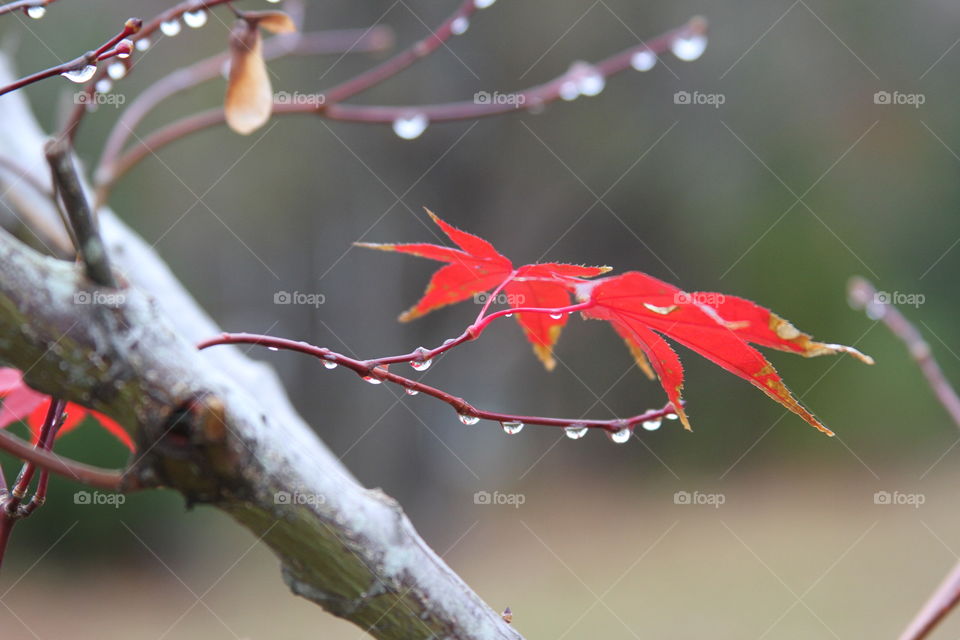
point(36, 11)
point(621, 435)
point(643, 60)
point(688, 49)
point(410, 127)
point(170, 28)
point(329, 364)
point(195, 19)
point(116, 70)
point(575, 431)
point(459, 26)
point(468, 420)
point(420, 365)
point(411, 392)
point(483, 4)
point(142, 44)
point(80, 75)
point(651, 425)
point(512, 427)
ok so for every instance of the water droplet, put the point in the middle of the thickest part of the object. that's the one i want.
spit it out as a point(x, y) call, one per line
point(116, 70)
point(421, 365)
point(330, 364)
point(876, 311)
point(36, 11)
point(660, 310)
point(468, 420)
point(459, 26)
point(556, 316)
point(372, 380)
point(195, 19)
point(274, 1)
point(123, 48)
point(651, 425)
point(643, 60)
point(483, 4)
point(569, 90)
point(103, 85)
point(272, 349)
point(575, 431)
point(672, 416)
point(621, 436)
point(591, 83)
point(143, 44)
point(410, 127)
point(512, 427)
point(411, 392)
point(688, 49)
point(80, 75)
point(508, 315)
point(170, 28)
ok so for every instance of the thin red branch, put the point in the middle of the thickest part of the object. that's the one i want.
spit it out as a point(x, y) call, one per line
point(23, 5)
point(104, 51)
point(376, 369)
point(71, 469)
point(532, 98)
point(864, 295)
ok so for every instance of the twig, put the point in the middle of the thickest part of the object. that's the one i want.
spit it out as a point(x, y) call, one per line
point(109, 49)
point(92, 476)
point(307, 44)
point(376, 370)
point(528, 99)
point(23, 4)
point(863, 295)
point(90, 246)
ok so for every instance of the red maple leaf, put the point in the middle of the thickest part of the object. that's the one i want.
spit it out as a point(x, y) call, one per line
point(477, 268)
point(20, 402)
point(640, 308)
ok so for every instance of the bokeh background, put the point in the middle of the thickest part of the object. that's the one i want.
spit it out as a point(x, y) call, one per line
point(798, 181)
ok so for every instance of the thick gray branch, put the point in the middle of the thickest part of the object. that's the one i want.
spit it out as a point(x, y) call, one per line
point(218, 426)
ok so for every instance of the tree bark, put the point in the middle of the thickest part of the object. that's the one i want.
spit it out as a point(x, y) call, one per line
point(215, 426)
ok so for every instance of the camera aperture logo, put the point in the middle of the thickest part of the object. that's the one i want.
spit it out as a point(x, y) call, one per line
point(699, 498)
point(696, 97)
point(299, 498)
point(699, 297)
point(299, 297)
point(298, 97)
point(99, 498)
point(97, 99)
point(897, 98)
point(508, 299)
point(514, 500)
point(517, 100)
point(105, 298)
point(898, 498)
point(899, 298)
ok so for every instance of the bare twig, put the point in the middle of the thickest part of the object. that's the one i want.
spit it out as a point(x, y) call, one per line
point(533, 98)
point(83, 224)
point(109, 49)
point(863, 295)
point(43, 459)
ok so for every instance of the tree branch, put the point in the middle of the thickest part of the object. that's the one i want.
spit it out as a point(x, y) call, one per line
point(863, 295)
point(218, 426)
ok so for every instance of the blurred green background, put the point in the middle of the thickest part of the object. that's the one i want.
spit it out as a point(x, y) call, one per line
point(798, 181)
